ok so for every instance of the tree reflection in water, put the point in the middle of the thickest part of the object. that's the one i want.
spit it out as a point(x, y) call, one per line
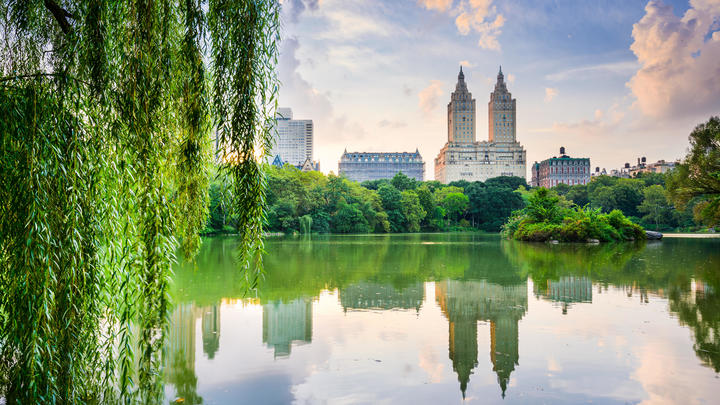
point(477, 279)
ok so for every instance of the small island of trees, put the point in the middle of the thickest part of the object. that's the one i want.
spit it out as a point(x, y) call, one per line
point(546, 218)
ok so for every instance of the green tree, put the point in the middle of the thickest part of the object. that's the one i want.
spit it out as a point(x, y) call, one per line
point(413, 211)
point(655, 206)
point(698, 176)
point(374, 184)
point(562, 189)
point(305, 224)
point(321, 222)
point(425, 197)
point(282, 215)
point(440, 193)
point(455, 205)
point(391, 200)
point(603, 198)
point(105, 118)
point(402, 182)
point(491, 206)
point(510, 182)
point(628, 195)
point(650, 179)
point(578, 194)
point(349, 219)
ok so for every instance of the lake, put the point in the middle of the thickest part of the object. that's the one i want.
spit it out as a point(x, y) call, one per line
point(435, 318)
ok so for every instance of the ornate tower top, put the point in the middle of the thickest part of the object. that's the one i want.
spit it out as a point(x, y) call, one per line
point(461, 86)
point(461, 113)
point(501, 112)
point(500, 84)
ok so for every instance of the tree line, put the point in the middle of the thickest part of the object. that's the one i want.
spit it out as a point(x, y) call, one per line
point(312, 202)
point(684, 199)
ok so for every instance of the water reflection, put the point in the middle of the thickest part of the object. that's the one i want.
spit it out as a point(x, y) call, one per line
point(566, 290)
point(371, 295)
point(464, 303)
point(286, 323)
point(480, 285)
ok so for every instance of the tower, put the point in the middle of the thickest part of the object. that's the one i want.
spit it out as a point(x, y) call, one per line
point(501, 113)
point(461, 113)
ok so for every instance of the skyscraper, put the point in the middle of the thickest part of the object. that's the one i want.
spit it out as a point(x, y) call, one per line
point(463, 157)
point(293, 139)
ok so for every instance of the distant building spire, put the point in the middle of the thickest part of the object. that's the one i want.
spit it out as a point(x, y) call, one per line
point(461, 86)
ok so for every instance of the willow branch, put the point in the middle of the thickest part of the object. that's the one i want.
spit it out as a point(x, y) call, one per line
point(36, 75)
point(60, 15)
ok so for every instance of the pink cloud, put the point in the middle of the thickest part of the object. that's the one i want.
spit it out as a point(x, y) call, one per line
point(679, 64)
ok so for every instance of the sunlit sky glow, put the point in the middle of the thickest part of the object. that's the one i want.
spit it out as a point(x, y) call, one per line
point(611, 80)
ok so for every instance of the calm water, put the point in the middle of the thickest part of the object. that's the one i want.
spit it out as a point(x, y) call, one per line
point(437, 318)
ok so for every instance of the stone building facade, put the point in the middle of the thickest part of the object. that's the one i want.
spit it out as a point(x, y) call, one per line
point(563, 169)
point(463, 157)
point(363, 166)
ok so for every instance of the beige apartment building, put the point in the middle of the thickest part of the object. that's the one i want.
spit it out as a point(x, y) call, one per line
point(463, 157)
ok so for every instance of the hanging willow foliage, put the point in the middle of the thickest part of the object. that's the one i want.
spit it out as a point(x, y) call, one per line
point(106, 114)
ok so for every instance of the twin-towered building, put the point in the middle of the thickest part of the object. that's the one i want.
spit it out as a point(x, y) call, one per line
point(463, 157)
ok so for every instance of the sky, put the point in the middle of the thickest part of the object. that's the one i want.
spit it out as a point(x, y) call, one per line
point(612, 80)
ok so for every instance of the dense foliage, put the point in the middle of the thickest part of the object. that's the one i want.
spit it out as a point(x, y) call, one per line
point(644, 199)
point(106, 110)
point(696, 181)
point(311, 202)
point(546, 217)
point(331, 204)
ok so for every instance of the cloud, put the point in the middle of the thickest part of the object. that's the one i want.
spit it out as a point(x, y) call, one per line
point(357, 58)
point(550, 93)
point(392, 124)
point(482, 17)
point(603, 123)
point(295, 89)
point(294, 8)
point(625, 68)
point(473, 16)
point(346, 25)
point(511, 78)
point(679, 60)
point(466, 63)
point(332, 130)
point(429, 96)
point(439, 5)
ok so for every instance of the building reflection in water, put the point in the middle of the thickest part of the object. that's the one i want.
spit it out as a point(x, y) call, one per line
point(566, 291)
point(464, 303)
point(371, 295)
point(285, 323)
point(180, 364)
point(211, 330)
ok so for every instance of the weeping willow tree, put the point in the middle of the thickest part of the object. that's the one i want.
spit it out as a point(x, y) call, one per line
point(107, 110)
